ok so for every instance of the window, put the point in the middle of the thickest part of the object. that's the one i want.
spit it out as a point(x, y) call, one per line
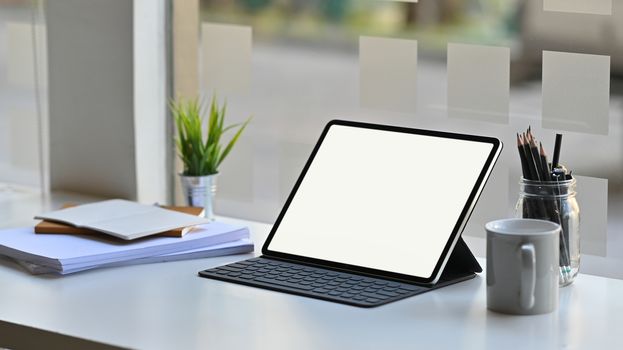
point(488, 67)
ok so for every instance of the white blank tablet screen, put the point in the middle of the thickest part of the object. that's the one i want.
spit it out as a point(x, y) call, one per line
point(380, 199)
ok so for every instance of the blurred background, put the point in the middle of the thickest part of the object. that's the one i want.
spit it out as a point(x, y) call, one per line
point(297, 64)
point(305, 71)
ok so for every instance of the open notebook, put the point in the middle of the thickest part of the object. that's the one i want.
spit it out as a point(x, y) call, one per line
point(123, 219)
point(47, 227)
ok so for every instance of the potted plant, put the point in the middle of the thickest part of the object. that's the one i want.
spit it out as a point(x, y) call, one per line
point(202, 153)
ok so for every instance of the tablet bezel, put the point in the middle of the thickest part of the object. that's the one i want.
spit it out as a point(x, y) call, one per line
point(453, 237)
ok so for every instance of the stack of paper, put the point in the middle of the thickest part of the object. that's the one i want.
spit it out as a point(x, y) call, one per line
point(71, 253)
point(240, 246)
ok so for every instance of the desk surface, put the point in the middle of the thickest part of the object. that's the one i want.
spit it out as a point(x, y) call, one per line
point(165, 306)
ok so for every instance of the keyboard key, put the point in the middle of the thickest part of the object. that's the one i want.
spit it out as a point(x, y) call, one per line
point(281, 278)
point(347, 295)
point(335, 293)
point(234, 274)
point(332, 274)
point(247, 277)
point(374, 295)
point(371, 290)
point(372, 300)
point(305, 283)
point(237, 265)
point(358, 288)
point(358, 297)
point(317, 285)
point(284, 283)
point(410, 287)
point(389, 294)
point(393, 284)
point(320, 290)
point(228, 268)
point(380, 283)
point(356, 278)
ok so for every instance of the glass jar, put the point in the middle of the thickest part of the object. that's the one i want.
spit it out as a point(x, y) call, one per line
point(555, 201)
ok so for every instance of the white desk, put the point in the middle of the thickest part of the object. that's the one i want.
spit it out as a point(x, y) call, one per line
point(166, 306)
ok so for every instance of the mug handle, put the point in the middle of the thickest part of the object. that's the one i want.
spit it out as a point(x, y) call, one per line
point(528, 276)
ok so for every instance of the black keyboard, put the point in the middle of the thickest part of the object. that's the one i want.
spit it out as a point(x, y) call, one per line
point(341, 287)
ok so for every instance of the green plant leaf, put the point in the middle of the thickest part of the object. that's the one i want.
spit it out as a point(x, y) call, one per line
point(232, 142)
point(202, 156)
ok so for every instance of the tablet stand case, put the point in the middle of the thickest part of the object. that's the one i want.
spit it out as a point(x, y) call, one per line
point(461, 265)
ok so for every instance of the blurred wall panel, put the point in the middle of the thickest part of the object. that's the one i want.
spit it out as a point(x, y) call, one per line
point(387, 73)
point(478, 82)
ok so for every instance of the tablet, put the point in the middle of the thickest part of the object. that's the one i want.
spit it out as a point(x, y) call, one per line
point(383, 200)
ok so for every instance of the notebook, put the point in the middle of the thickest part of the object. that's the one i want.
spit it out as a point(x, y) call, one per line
point(58, 228)
point(123, 219)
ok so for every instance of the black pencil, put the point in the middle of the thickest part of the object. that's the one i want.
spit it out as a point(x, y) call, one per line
point(529, 169)
point(522, 157)
point(536, 155)
point(556, 156)
point(546, 170)
point(531, 161)
point(537, 158)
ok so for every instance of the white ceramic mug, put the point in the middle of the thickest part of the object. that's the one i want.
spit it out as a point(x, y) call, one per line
point(522, 266)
